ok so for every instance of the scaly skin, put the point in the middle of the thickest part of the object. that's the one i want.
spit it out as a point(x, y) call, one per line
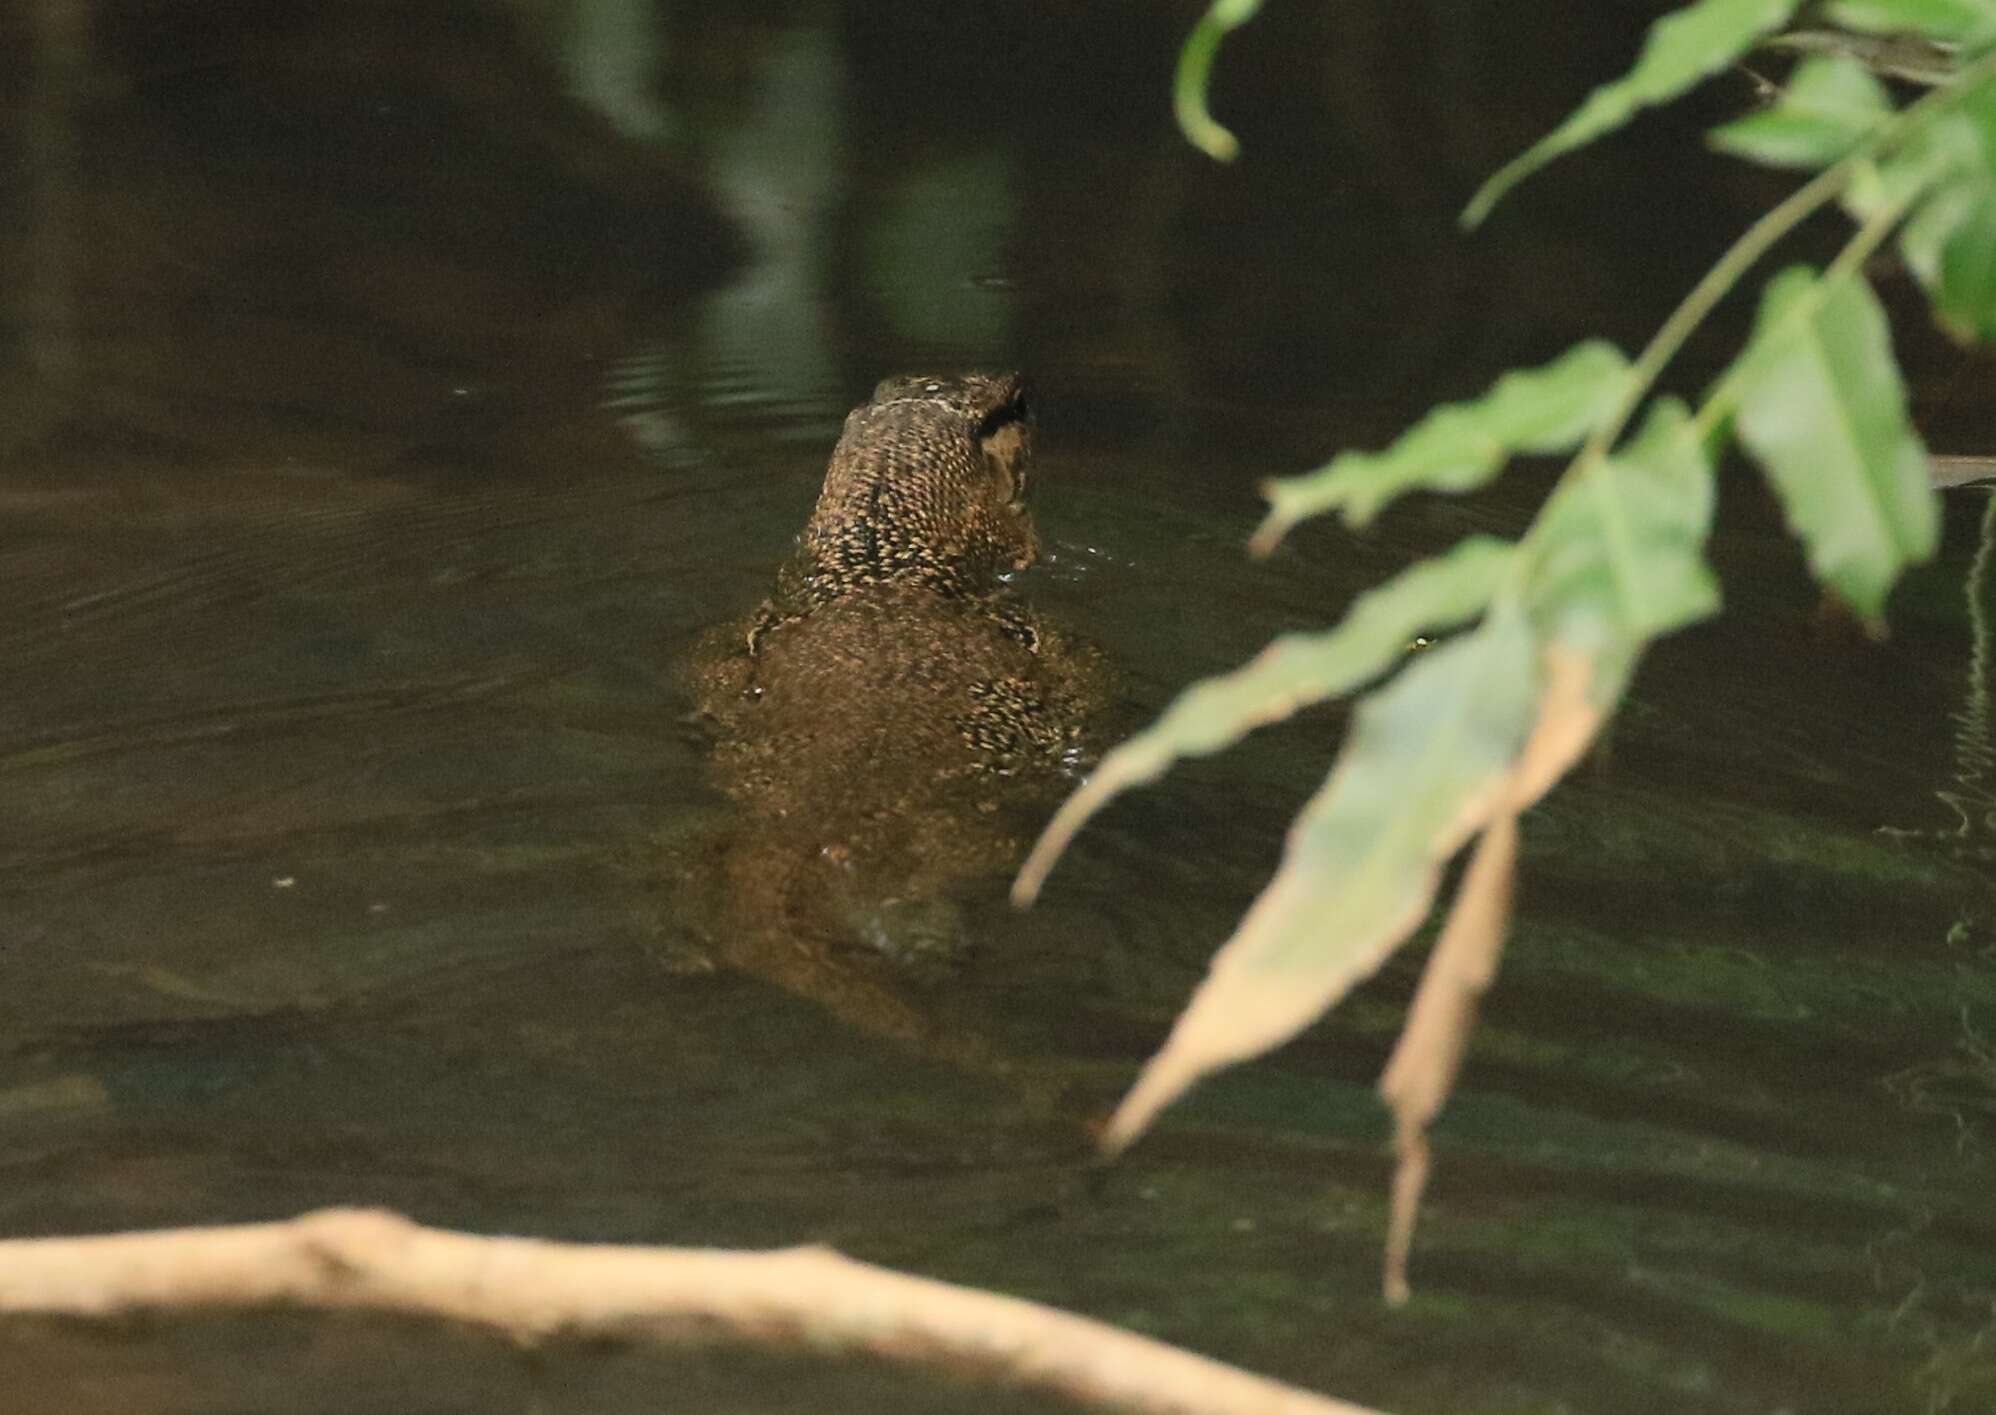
point(890, 725)
point(927, 487)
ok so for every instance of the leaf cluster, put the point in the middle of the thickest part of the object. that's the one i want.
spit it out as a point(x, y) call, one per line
point(1450, 746)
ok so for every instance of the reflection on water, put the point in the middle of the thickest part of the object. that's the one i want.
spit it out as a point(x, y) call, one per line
point(613, 56)
point(762, 341)
point(57, 58)
point(382, 429)
point(1970, 795)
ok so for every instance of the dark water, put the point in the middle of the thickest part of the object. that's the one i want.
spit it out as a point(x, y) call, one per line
point(379, 426)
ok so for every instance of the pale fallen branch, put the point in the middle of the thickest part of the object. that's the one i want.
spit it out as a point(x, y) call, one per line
point(806, 1298)
point(1946, 470)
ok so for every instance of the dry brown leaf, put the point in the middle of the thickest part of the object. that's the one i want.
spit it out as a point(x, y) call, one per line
point(1260, 1011)
point(1568, 723)
point(1428, 1056)
point(1425, 1060)
point(1428, 761)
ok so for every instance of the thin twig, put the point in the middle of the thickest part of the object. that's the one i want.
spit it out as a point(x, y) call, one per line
point(808, 1299)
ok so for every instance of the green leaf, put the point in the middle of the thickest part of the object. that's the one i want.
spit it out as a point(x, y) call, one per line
point(1953, 148)
point(1939, 152)
point(1950, 242)
point(1461, 446)
point(1831, 104)
point(1622, 546)
point(1294, 672)
point(1682, 48)
point(1195, 65)
point(1618, 553)
point(1946, 173)
point(1420, 772)
point(1822, 407)
point(1951, 21)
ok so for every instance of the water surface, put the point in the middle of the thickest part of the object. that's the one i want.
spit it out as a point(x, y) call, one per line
point(390, 404)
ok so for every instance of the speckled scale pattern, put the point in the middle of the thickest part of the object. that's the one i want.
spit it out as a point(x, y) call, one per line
point(896, 723)
point(896, 582)
point(926, 486)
